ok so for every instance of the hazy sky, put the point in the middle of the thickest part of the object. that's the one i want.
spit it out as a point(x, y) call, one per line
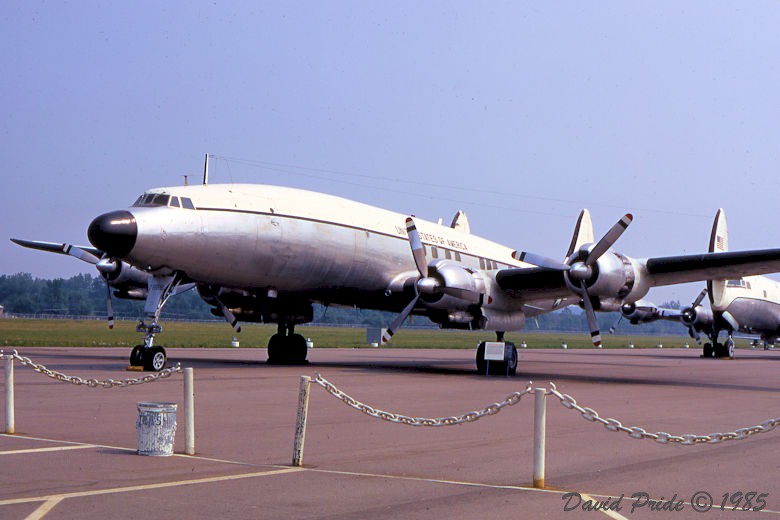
point(520, 113)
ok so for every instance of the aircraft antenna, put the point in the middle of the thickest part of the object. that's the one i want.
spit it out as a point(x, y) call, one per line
point(186, 180)
point(206, 171)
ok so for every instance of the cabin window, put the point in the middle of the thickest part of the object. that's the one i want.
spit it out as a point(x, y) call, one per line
point(457, 256)
point(447, 254)
point(481, 263)
point(737, 283)
point(434, 252)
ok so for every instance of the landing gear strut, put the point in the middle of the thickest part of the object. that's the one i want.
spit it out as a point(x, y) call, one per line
point(150, 356)
point(287, 348)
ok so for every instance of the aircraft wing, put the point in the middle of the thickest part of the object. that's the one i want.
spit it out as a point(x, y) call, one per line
point(670, 270)
point(544, 282)
point(533, 282)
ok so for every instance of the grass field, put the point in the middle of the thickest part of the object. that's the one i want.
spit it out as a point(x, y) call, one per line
point(71, 333)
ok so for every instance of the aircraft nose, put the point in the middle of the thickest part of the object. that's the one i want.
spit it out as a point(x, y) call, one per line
point(114, 232)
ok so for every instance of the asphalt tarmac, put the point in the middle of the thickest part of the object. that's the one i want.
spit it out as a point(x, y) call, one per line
point(74, 451)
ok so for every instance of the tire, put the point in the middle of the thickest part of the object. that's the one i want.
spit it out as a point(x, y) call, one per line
point(481, 363)
point(155, 359)
point(720, 350)
point(512, 361)
point(707, 350)
point(296, 350)
point(276, 349)
point(729, 348)
point(136, 356)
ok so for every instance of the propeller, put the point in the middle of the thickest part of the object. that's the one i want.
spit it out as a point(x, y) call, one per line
point(688, 316)
point(424, 284)
point(104, 265)
point(579, 270)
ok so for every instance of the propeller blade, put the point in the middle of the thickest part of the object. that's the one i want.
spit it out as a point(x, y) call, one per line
point(593, 324)
point(79, 253)
point(418, 250)
point(609, 239)
point(109, 306)
point(613, 327)
point(399, 320)
point(229, 316)
point(692, 332)
point(540, 261)
point(699, 298)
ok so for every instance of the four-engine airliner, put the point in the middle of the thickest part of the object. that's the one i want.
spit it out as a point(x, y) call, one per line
point(262, 253)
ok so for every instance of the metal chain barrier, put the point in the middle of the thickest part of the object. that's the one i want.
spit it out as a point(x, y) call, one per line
point(589, 414)
point(492, 409)
point(93, 383)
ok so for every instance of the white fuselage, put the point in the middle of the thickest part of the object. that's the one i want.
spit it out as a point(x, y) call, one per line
point(259, 236)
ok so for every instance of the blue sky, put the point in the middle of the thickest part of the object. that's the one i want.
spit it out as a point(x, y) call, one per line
point(520, 113)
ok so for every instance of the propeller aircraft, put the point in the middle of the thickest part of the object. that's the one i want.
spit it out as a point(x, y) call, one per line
point(262, 253)
point(748, 304)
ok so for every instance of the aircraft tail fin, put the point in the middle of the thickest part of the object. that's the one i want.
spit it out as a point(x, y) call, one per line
point(583, 233)
point(461, 222)
point(719, 243)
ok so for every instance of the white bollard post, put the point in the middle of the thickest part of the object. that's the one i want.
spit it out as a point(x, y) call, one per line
point(189, 411)
point(300, 423)
point(9, 394)
point(540, 430)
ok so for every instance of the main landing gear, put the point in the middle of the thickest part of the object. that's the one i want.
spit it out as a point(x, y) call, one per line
point(719, 350)
point(506, 367)
point(287, 348)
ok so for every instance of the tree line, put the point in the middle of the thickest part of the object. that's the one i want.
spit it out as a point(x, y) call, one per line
point(85, 295)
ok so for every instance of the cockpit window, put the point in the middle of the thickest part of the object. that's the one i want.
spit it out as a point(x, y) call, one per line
point(161, 199)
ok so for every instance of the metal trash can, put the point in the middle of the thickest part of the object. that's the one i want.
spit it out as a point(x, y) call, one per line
point(156, 428)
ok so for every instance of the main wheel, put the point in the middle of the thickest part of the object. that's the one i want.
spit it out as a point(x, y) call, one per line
point(729, 348)
point(481, 363)
point(707, 350)
point(136, 355)
point(511, 362)
point(720, 350)
point(276, 349)
point(154, 359)
point(296, 350)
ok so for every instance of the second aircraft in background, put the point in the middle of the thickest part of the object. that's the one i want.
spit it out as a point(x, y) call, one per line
point(749, 305)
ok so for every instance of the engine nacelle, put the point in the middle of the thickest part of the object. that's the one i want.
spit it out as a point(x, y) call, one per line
point(448, 274)
point(501, 320)
point(119, 273)
point(614, 279)
point(698, 317)
point(640, 312)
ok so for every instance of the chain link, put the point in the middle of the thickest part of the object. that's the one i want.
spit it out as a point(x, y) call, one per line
point(635, 432)
point(93, 383)
point(492, 409)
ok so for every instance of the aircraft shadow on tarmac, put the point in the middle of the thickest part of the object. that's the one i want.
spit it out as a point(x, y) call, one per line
point(532, 370)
